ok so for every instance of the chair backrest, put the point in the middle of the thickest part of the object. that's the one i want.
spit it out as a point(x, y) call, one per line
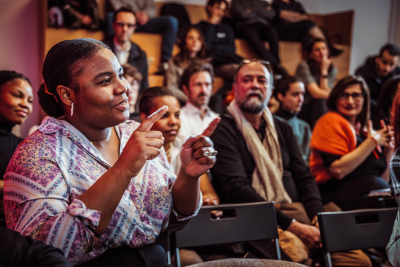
point(253, 221)
point(362, 229)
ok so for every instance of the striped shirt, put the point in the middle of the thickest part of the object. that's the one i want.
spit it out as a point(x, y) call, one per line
point(55, 165)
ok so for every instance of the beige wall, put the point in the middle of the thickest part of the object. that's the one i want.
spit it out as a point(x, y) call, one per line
point(19, 46)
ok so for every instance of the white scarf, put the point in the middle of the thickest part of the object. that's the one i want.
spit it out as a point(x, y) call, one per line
point(268, 173)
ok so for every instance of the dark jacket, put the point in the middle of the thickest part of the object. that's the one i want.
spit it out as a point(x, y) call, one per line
point(18, 251)
point(374, 82)
point(220, 41)
point(137, 58)
point(232, 173)
point(258, 12)
point(8, 143)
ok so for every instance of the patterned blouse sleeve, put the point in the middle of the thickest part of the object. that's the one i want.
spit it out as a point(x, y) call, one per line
point(395, 173)
point(37, 203)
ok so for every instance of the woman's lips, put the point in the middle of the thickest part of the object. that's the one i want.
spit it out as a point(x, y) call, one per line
point(124, 105)
point(171, 132)
point(21, 113)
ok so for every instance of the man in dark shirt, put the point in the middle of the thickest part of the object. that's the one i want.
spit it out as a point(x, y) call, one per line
point(234, 176)
point(124, 25)
point(378, 69)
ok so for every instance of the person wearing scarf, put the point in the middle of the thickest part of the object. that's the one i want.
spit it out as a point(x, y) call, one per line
point(259, 160)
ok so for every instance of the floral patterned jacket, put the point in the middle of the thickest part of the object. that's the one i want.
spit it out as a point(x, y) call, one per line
point(55, 165)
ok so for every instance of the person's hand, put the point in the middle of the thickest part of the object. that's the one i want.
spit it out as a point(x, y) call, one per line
point(142, 17)
point(194, 162)
point(143, 145)
point(310, 235)
point(86, 20)
point(325, 64)
point(383, 136)
point(211, 200)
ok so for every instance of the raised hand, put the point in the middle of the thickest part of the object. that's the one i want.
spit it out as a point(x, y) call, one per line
point(383, 136)
point(143, 145)
point(196, 154)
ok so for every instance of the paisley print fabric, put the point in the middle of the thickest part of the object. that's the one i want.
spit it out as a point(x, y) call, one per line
point(55, 165)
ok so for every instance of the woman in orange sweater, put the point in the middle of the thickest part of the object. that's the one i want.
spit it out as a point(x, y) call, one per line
point(348, 158)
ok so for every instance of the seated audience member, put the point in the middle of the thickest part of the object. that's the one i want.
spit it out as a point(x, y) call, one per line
point(220, 41)
point(150, 101)
point(74, 14)
point(124, 25)
point(196, 82)
point(378, 69)
point(259, 160)
point(191, 49)
point(318, 75)
point(133, 76)
point(96, 172)
point(392, 248)
point(15, 106)
point(147, 21)
point(346, 161)
point(252, 21)
point(290, 94)
point(293, 24)
point(17, 250)
point(385, 100)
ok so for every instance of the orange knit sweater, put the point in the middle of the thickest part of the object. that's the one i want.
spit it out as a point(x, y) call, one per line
point(332, 134)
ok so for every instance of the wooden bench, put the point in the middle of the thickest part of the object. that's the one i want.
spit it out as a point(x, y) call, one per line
point(290, 52)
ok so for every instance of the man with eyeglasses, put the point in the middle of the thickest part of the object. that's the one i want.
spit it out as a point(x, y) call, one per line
point(259, 160)
point(124, 25)
point(378, 69)
point(147, 22)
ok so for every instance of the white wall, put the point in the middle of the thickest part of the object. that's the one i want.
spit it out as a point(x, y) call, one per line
point(19, 46)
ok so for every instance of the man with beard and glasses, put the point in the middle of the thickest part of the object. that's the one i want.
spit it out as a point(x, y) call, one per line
point(259, 160)
point(196, 82)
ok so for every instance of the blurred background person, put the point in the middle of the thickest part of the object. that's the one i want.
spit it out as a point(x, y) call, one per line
point(16, 99)
point(191, 49)
point(133, 76)
point(348, 158)
point(318, 74)
point(378, 69)
point(293, 24)
point(290, 94)
point(385, 100)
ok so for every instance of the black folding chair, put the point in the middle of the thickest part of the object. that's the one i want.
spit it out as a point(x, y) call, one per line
point(361, 229)
point(252, 222)
point(163, 240)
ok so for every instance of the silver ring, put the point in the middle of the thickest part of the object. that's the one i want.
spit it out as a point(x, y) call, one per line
point(209, 153)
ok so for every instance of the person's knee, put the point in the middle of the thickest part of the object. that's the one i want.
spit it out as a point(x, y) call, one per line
point(171, 22)
point(353, 258)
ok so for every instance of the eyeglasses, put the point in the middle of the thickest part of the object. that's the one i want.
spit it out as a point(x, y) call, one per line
point(355, 96)
point(130, 26)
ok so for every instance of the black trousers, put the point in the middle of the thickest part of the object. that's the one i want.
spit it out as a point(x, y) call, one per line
point(152, 255)
point(295, 31)
point(255, 34)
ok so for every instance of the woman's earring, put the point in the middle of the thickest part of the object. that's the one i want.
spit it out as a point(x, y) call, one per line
point(72, 109)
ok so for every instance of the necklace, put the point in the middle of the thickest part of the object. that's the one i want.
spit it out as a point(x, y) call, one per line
point(108, 138)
